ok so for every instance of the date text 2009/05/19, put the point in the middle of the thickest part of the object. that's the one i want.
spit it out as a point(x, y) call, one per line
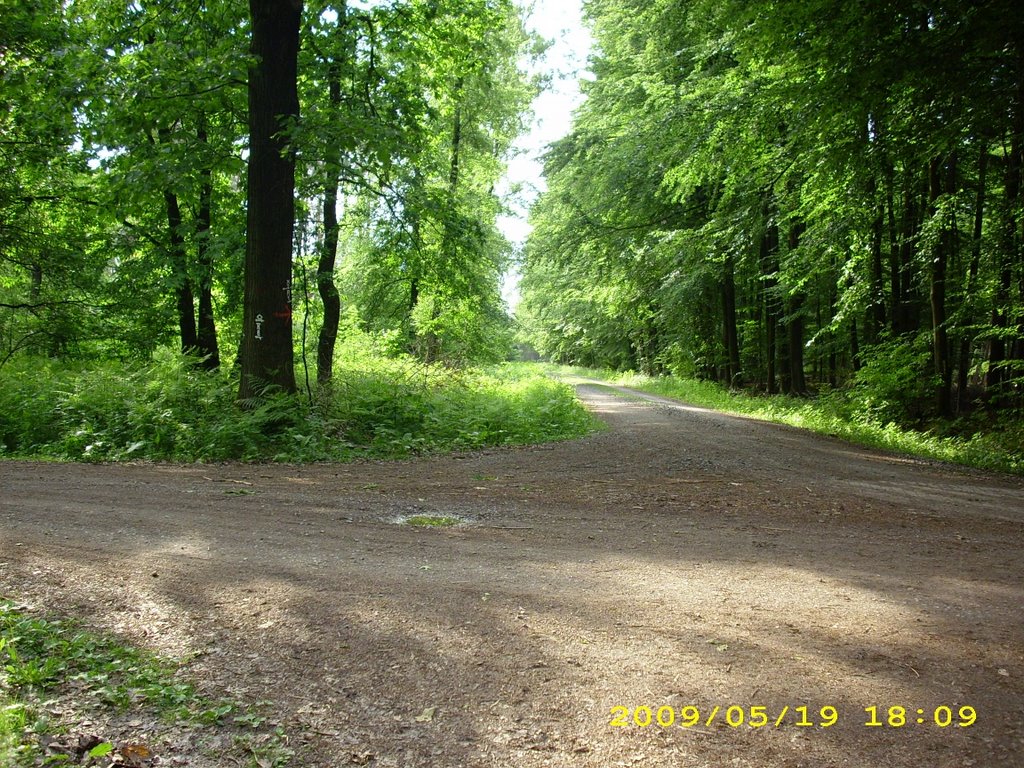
point(735, 716)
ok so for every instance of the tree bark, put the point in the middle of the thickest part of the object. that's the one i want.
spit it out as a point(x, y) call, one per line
point(937, 292)
point(895, 284)
point(769, 283)
point(267, 347)
point(182, 284)
point(795, 328)
point(206, 341)
point(964, 364)
point(328, 255)
point(907, 319)
point(730, 329)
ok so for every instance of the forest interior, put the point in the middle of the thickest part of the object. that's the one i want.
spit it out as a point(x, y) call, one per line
point(288, 479)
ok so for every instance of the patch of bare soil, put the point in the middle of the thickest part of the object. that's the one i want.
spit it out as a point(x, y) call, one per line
point(680, 559)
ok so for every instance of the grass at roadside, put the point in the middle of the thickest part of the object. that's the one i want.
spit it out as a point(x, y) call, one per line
point(1000, 449)
point(377, 407)
point(54, 676)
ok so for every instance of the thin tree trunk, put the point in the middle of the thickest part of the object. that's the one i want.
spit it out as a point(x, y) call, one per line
point(328, 255)
point(769, 268)
point(895, 284)
point(964, 365)
point(449, 244)
point(795, 328)
point(876, 314)
point(183, 286)
point(267, 346)
point(909, 309)
point(937, 292)
point(207, 326)
point(326, 287)
point(731, 333)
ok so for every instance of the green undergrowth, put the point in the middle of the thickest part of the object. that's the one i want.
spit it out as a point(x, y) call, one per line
point(984, 444)
point(52, 667)
point(168, 409)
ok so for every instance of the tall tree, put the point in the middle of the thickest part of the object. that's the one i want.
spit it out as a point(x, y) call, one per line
point(267, 355)
point(807, 153)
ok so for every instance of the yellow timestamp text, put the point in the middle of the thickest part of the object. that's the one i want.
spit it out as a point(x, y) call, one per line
point(733, 716)
point(942, 716)
point(803, 716)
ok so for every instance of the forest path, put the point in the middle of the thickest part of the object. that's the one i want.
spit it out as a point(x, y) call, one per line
point(681, 557)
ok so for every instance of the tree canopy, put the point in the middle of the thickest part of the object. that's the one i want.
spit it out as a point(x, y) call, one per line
point(785, 196)
point(793, 195)
point(175, 179)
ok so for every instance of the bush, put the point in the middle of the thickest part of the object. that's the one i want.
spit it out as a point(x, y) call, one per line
point(896, 382)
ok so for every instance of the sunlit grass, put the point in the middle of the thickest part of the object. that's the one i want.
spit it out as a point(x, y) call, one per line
point(377, 406)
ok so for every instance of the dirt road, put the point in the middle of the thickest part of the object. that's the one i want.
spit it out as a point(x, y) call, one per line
point(680, 558)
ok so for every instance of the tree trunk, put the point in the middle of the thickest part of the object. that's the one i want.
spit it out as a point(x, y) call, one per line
point(895, 284)
point(732, 344)
point(909, 319)
point(267, 346)
point(326, 287)
point(795, 328)
point(328, 255)
point(937, 292)
point(1002, 348)
point(769, 268)
point(876, 314)
point(964, 365)
point(207, 327)
point(182, 284)
point(431, 349)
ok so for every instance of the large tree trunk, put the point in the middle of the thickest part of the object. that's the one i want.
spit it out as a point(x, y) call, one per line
point(267, 354)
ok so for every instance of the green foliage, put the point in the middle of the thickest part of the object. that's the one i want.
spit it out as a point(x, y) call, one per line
point(398, 406)
point(14, 722)
point(170, 409)
point(895, 383)
point(794, 196)
point(39, 655)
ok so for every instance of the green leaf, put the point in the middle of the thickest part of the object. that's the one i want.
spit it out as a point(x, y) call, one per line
point(101, 750)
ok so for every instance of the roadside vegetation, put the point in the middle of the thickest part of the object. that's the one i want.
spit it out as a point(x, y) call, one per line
point(855, 414)
point(55, 675)
point(377, 406)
